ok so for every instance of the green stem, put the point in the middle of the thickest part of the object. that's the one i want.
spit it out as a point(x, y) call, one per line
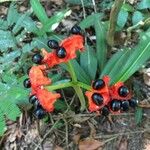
point(76, 87)
point(72, 72)
point(84, 86)
point(59, 86)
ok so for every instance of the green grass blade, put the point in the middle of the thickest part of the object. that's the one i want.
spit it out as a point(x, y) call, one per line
point(89, 20)
point(88, 61)
point(39, 11)
point(140, 54)
point(101, 49)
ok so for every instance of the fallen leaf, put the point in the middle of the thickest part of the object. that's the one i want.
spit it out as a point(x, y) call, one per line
point(123, 145)
point(58, 148)
point(146, 76)
point(90, 144)
point(147, 145)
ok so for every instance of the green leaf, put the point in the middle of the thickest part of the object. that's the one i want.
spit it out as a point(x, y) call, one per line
point(111, 63)
point(6, 40)
point(127, 7)
point(52, 23)
point(12, 15)
point(56, 77)
point(78, 2)
point(144, 4)
point(39, 11)
point(20, 21)
point(137, 17)
point(3, 24)
point(88, 61)
point(30, 25)
point(89, 20)
point(101, 49)
point(122, 18)
point(131, 60)
point(138, 115)
point(140, 54)
point(119, 64)
point(8, 59)
point(62, 81)
point(80, 73)
point(2, 123)
point(40, 42)
point(60, 105)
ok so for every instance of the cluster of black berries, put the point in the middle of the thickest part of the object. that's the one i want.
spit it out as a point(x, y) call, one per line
point(112, 105)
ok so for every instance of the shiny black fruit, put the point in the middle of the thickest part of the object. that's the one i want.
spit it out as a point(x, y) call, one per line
point(115, 105)
point(133, 102)
point(97, 99)
point(39, 113)
point(105, 111)
point(76, 30)
point(98, 84)
point(27, 83)
point(123, 91)
point(61, 52)
point(53, 44)
point(33, 99)
point(37, 58)
point(124, 105)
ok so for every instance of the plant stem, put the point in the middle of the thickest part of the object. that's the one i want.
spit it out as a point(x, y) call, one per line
point(84, 86)
point(113, 20)
point(76, 87)
point(59, 86)
point(71, 71)
point(136, 26)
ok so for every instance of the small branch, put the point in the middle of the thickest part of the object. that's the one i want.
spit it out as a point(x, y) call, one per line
point(84, 13)
point(136, 26)
point(113, 21)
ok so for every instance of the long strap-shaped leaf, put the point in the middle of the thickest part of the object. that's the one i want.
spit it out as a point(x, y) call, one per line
point(39, 10)
point(123, 64)
point(101, 49)
point(140, 54)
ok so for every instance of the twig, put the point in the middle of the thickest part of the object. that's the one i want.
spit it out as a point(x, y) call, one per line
point(113, 20)
point(45, 136)
point(84, 13)
point(136, 26)
point(120, 134)
point(94, 5)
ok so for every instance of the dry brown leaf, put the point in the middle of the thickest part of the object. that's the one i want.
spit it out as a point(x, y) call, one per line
point(90, 144)
point(58, 148)
point(147, 145)
point(123, 145)
point(146, 76)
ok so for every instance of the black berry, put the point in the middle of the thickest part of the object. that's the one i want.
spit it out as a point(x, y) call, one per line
point(53, 44)
point(61, 52)
point(27, 83)
point(76, 30)
point(115, 105)
point(98, 84)
point(123, 91)
point(33, 99)
point(133, 102)
point(105, 111)
point(37, 58)
point(97, 99)
point(124, 105)
point(39, 113)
